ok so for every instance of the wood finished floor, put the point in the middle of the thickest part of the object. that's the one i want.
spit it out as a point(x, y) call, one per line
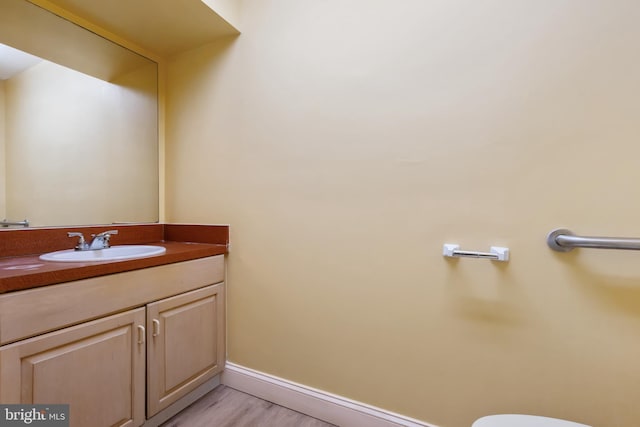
point(226, 407)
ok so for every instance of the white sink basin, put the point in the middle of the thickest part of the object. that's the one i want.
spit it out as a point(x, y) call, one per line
point(114, 253)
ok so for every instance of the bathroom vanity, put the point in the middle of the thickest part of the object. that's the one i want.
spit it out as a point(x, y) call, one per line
point(121, 348)
point(125, 342)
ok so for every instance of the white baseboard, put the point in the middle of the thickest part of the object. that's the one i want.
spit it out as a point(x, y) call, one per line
point(325, 406)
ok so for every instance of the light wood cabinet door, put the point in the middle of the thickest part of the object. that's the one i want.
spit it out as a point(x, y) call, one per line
point(186, 344)
point(97, 367)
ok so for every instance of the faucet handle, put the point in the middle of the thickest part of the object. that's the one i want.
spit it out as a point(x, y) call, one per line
point(101, 240)
point(105, 234)
point(82, 244)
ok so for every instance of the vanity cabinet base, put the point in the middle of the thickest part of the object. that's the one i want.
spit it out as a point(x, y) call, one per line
point(183, 352)
point(126, 348)
point(97, 368)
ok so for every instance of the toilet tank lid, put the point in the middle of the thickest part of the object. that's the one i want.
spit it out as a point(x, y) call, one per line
point(518, 420)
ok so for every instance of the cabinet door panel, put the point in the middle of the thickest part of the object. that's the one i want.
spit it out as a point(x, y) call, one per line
point(186, 344)
point(96, 367)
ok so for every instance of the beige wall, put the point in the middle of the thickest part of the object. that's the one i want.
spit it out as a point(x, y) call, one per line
point(81, 150)
point(2, 153)
point(345, 142)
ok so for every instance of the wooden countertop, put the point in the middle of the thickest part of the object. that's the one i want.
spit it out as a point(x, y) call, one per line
point(24, 271)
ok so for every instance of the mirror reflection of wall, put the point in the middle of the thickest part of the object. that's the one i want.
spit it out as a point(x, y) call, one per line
point(76, 147)
point(3, 197)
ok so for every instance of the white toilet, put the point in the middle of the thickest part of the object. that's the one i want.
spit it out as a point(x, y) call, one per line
point(516, 420)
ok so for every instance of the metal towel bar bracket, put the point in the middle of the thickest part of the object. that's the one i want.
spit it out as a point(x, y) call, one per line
point(563, 240)
point(495, 253)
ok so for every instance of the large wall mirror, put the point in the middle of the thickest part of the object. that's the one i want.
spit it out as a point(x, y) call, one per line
point(78, 124)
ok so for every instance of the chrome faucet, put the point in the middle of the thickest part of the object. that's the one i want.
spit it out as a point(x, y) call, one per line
point(99, 241)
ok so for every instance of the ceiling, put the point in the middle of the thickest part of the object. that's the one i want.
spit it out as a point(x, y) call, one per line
point(164, 27)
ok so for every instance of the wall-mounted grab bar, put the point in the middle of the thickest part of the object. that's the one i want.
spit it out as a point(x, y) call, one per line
point(7, 223)
point(563, 240)
point(496, 253)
